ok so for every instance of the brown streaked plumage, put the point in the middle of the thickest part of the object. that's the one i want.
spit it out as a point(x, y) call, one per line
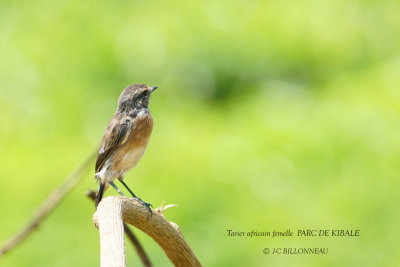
point(125, 139)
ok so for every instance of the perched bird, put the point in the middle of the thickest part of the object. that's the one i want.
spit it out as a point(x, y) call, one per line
point(125, 139)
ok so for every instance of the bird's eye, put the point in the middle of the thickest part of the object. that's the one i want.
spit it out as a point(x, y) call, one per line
point(141, 94)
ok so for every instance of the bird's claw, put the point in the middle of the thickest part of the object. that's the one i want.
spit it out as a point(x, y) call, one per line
point(147, 205)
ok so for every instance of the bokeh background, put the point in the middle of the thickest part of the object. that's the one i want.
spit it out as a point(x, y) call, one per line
point(270, 115)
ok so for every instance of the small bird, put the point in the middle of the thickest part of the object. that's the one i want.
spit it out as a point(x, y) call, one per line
point(125, 139)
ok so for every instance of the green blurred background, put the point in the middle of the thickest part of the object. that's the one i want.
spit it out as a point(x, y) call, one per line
point(270, 115)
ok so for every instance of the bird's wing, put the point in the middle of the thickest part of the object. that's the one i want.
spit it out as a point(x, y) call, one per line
point(117, 133)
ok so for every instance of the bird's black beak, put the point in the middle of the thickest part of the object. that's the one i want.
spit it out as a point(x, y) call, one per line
point(152, 89)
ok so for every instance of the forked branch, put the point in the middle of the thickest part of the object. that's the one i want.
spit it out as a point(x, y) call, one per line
point(109, 218)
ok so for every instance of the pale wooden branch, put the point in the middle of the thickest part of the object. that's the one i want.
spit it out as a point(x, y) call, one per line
point(113, 211)
point(111, 227)
point(138, 247)
point(53, 200)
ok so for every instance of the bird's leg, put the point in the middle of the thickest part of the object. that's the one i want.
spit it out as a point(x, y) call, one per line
point(130, 191)
point(100, 193)
point(116, 188)
point(147, 205)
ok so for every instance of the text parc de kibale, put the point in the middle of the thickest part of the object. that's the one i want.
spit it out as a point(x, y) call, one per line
point(275, 233)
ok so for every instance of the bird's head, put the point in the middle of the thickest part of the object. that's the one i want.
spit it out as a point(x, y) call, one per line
point(135, 96)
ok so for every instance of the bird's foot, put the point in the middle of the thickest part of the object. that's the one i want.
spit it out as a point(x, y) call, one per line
point(147, 205)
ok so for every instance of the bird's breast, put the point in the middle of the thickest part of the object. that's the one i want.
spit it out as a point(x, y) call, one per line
point(132, 151)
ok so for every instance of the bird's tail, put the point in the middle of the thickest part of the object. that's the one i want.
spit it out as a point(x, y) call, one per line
point(100, 193)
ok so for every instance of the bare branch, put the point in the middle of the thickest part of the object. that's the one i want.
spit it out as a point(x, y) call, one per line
point(138, 247)
point(110, 214)
point(111, 227)
point(48, 206)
